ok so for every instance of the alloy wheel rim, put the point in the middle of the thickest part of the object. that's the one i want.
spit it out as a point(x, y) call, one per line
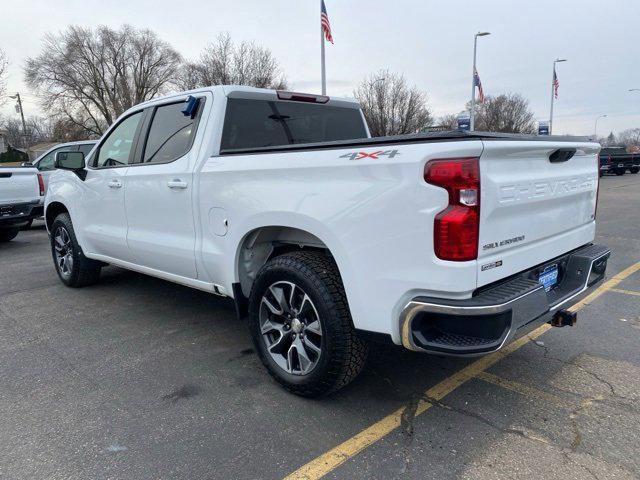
point(63, 249)
point(290, 327)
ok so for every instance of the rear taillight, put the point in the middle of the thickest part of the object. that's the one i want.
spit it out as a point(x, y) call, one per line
point(41, 184)
point(456, 228)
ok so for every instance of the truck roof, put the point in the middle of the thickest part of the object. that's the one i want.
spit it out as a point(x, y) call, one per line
point(241, 91)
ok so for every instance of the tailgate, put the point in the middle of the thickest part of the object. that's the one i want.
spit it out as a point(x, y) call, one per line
point(533, 209)
point(18, 185)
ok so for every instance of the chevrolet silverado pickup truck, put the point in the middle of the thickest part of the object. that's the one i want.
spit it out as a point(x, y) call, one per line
point(617, 160)
point(21, 194)
point(453, 243)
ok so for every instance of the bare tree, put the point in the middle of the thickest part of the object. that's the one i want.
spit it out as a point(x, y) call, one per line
point(629, 138)
point(506, 113)
point(4, 66)
point(225, 63)
point(88, 77)
point(391, 107)
point(449, 121)
point(39, 129)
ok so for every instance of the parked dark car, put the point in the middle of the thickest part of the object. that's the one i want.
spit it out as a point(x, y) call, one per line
point(617, 160)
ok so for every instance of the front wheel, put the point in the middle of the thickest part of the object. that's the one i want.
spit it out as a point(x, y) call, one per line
point(634, 169)
point(619, 171)
point(301, 325)
point(8, 234)
point(73, 268)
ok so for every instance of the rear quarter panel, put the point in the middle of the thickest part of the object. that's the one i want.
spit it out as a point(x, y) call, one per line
point(374, 214)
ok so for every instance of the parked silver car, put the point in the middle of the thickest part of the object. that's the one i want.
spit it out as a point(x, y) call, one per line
point(44, 163)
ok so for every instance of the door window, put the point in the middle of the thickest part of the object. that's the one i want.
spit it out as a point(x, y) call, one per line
point(47, 162)
point(116, 149)
point(85, 148)
point(171, 134)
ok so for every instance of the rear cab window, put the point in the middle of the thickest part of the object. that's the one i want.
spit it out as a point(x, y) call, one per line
point(252, 123)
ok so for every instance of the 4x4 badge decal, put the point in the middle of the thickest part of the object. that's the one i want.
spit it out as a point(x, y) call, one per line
point(373, 155)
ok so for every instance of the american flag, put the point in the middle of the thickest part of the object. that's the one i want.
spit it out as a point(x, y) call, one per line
point(324, 23)
point(556, 84)
point(478, 83)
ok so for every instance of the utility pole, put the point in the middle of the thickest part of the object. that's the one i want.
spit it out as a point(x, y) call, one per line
point(595, 128)
point(472, 113)
point(553, 91)
point(24, 124)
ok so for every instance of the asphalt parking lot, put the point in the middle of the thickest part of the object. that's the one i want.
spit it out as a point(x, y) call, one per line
point(137, 378)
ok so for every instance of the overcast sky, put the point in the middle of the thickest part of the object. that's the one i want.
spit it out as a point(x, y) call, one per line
point(429, 41)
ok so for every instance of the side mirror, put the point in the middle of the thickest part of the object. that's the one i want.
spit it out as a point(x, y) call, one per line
point(26, 164)
point(73, 161)
point(69, 160)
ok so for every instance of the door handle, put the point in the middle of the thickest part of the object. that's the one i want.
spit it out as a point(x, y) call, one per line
point(115, 183)
point(177, 184)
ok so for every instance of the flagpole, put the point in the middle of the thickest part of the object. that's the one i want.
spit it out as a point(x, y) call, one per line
point(553, 75)
point(472, 112)
point(553, 91)
point(322, 65)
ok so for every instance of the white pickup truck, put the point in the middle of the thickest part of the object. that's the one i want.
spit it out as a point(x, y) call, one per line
point(21, 195)
point(454, 243)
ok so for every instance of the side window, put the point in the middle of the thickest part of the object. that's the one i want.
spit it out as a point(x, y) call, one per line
point(48, 160)
point(116, 148)
point(85, 148)
point(170, 135)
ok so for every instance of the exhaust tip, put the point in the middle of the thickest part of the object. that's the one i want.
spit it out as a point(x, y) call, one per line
point(564, 318)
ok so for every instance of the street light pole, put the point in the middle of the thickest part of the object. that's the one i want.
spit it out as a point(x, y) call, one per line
point(557, 60)
point(472, 113)
point(24, 125)
point(595, 129)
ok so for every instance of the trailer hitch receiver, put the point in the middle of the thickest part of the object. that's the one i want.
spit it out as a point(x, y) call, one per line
point(564, 318)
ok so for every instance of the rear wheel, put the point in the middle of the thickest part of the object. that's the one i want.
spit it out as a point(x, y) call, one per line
point(301, 325)
point(8, 234)
point(619, 171)
point(74, 269)
point(634, 169)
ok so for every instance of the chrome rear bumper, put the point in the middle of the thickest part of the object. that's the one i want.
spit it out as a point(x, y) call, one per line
point(499, 314)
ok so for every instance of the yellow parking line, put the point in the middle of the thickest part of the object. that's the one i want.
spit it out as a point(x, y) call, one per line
point(628, 292)
point(330, 460)
point(526, 390)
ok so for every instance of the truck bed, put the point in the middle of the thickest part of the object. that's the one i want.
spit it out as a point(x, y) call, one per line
point(426, 137)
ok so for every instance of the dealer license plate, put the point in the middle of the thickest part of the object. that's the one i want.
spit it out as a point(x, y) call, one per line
point(549, 277)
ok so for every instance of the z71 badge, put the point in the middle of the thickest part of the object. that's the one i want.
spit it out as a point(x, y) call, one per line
point(373, 155)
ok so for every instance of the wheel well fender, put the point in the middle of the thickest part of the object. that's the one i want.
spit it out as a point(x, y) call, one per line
point(261, 244)
point(53, 210)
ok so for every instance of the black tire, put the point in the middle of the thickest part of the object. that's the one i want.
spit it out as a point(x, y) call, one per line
point(82, 271)
point(619, 171)
point(27, 226)
point(634, 169)
point(8, 234)
point(343, 353)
